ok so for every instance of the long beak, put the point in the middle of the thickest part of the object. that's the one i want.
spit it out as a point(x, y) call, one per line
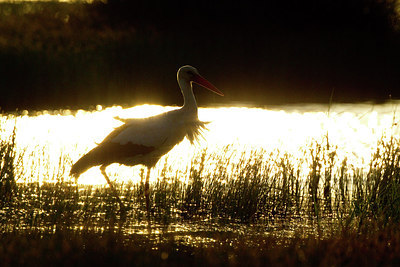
point(206, 84)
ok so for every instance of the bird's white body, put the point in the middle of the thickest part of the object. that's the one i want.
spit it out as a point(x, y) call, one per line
point(161, 132)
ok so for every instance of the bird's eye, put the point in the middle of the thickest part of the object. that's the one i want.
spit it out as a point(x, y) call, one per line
point(190, 73)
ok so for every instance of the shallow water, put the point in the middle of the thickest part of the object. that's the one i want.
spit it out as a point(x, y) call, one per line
point(52, 140)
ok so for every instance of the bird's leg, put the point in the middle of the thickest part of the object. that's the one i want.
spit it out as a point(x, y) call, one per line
point(141, 180)
point(147, 192)
point(103, 171)
point(76, 185)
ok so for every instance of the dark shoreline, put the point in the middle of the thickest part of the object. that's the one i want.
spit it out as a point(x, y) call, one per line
point(74, 55)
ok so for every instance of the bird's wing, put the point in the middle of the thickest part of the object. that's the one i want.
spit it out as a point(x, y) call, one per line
point(150, 132)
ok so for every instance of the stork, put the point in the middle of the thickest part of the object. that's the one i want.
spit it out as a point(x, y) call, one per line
point(145, 141)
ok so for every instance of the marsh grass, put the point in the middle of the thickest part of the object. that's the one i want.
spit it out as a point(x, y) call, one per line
point(9, 163)
point(256, 187)
point(245, 197)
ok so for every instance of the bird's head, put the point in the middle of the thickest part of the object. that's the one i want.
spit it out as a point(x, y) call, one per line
point(191, 74)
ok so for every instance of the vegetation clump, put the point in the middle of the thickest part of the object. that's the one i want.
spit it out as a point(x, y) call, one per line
point(233, 207)
point(8, 165)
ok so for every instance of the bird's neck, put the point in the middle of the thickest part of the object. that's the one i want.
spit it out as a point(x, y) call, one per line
point(189, 101)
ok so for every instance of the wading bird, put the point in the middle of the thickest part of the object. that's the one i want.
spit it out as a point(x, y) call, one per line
point(144, 141)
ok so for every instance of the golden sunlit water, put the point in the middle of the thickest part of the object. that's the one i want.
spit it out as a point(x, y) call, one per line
point(52, 141)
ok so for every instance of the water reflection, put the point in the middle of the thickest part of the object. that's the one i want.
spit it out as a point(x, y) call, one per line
point(52, 140)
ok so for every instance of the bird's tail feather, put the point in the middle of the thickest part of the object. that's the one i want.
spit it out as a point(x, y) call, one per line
point(195, 131)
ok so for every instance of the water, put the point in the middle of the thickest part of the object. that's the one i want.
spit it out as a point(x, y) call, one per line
point(52, 140)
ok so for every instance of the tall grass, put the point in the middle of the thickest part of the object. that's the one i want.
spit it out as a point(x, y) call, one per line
point(378, 192)
point(8, 165)
point(260, 187)
point(311, 207)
